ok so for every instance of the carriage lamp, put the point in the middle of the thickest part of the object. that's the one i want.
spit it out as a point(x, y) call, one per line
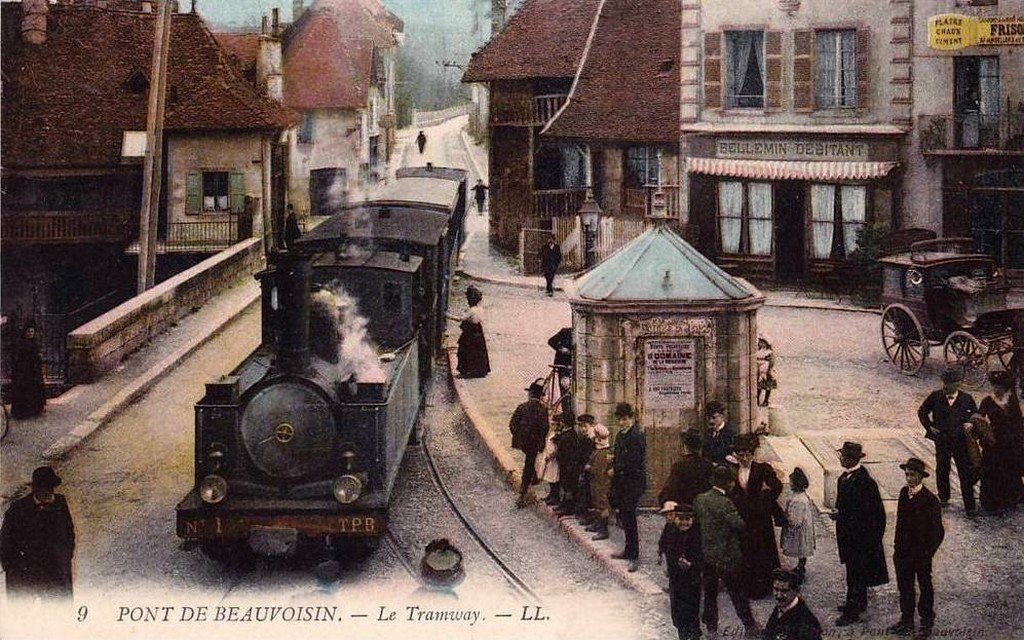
point(348, 457)
point(347, 489)
point(213, 489)
point(216, 457)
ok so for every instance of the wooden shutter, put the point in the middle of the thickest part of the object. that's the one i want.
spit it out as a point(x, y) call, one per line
point(194, 193)
point(773, 69)
point(236, 191)
point(713, 70)
point(863, 70)
point(803, 70)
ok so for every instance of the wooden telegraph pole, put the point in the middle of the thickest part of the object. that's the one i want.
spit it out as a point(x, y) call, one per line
point(152, 172)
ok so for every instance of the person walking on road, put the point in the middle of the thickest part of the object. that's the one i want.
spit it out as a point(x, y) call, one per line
point(945, 414)
point(919, 533)
point(860, 525)
point(37, 541)
point(720, 435)
point(480, 193)
point(720, 527)
point(529, 427)
point(690, 476)
point(680, 544)
point(791, 619)
point(755, 494)
point(550, 259)
point(629, 480)
point(421, 141)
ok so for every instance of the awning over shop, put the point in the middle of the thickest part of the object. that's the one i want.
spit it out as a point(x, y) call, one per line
point(789, 169)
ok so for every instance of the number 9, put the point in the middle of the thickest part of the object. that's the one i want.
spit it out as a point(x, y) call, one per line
point(83, 613)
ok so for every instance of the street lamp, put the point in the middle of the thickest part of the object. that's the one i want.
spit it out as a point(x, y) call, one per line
point(590, 214)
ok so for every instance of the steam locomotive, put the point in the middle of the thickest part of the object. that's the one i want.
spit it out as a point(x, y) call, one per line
point(304, 438)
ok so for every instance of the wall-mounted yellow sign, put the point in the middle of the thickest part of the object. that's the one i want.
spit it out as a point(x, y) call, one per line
point(952, 31)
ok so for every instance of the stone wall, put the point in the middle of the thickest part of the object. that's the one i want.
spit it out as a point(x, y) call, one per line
point(99, 345)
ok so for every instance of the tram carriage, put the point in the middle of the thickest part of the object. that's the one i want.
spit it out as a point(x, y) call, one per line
point(942, 292)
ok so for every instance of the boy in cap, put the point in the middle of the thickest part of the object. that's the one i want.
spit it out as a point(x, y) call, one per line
point(680, 546)
point(529, 427)
point(37, 541)
point(600, 482)
point(944, 414)
point(629, 480)
point(919, 532)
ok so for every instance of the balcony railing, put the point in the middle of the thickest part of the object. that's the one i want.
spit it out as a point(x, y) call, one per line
point(545, 107)
point(971, 132)
point(205, 236)
point(554, 203)
point(636, 201)
point(520, 112)
point(64, 227)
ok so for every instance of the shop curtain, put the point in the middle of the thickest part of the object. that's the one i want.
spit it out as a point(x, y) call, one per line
point(759, 197)
point(730, 215)
point(853, 200)
point(823, 202)
point(740, 44)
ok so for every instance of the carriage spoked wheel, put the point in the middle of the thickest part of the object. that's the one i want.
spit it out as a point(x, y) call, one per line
point(903, 339)
point(969, 354)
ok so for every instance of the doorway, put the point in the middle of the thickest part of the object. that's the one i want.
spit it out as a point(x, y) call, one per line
point(789, 230)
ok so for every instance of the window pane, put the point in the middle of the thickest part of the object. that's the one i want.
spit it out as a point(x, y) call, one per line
point(848, 59)
point(759, 203)
point(822, 217)
point(745, 71)
point(826, 84)
point(730, 211)
point(853, 202)
point(836, 68)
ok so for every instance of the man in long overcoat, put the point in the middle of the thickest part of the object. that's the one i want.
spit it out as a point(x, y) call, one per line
point(860, 524)
point(755, 495)
point(37, 541)
point(690, 476)
point(720, 434)
point(943, 414)
point(919, 532)
point(629, 480)
point(550, 259)
point(529, 427)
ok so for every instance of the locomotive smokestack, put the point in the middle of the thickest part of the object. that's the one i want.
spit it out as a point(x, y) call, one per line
point(292, 277)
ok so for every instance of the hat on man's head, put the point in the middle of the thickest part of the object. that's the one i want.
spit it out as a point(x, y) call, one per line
point(623, 410)
point(791, 578)
point(714, 407)
point(45, 478)
point(691, 439)
point(952, 375)
point(536, 388)
point(721, 473)
point(746, 442)
point(917, 465)
point(852, 450)
point(1002, 379)
point(586, 418)
point(669, 506)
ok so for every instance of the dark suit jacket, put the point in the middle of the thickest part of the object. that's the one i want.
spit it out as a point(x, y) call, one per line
point(799, 623)
point(529, 426)
point(562, 339)
point(37, 543)
point(716, 447)
point(689, 477)
point(629, 478)
point(550, 258)
point(919, 530)
point(675, 543)
point(860, 524)
point(936, 415)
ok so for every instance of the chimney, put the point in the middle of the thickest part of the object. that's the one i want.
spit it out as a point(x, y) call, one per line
point(33, 21)
point(275, 22)
point(147, 6)
point(298, 6)
point(268, 65)
point(498, 9)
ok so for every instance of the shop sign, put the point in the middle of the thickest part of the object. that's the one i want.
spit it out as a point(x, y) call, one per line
point(1001, 31)
point(669, 374)
point(791, 150)
point(952, 31)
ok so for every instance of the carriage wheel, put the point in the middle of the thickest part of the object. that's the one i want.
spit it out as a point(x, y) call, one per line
point(964, 351)
point(1000, 349)
point(903, 339)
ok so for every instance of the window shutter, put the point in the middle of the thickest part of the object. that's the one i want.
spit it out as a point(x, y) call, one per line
point(713, 70)
point(863, 61)
point(236, 191)
point(773, 69)
point(803, 70)
point(194, 193)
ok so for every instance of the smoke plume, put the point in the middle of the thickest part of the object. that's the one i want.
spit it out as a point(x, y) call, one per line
point(354, 353)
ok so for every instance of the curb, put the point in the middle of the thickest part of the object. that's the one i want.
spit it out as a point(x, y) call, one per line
point(502, 281)
point(508, 465)
point(113, 407)
point(468, 147)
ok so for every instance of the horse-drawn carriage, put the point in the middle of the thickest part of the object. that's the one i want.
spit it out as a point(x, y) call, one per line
point(944, 292)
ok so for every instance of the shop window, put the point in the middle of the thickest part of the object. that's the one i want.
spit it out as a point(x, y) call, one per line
point(642, 166)
point(836, 58)
point(305, 133)
point(215, 192)
point(745, 217)
point(837, 213)
point(374, 151)
point(976, 116)
point(745, 70)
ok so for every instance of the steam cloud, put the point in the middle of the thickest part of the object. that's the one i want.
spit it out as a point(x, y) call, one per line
point(356, 354)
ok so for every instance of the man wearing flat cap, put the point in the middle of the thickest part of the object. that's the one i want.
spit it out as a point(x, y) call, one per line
point(919, 532)
point(944, 414)
point(629, 480)
point(860, 525)
point(529, 426)
point(37, 541)
point(720, 434)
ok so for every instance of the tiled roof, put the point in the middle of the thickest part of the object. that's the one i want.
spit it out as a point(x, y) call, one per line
point(328, 53)
point(243, 49)
point(544, 39)
point(627, 90)
point(68, 101)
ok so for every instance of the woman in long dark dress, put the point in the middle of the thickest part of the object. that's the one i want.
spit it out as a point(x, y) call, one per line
point(755, 494)
point(28, 393)
point(472, 353)
point(1001, 462)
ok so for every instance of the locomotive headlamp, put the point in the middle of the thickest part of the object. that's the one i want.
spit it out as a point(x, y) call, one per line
point(347, 489)
point(213, 489)
point(216, 456)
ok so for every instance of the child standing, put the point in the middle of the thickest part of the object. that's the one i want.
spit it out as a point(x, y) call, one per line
point(797, 539)
point(600, 482)
point(765, 371)
point(680, 545)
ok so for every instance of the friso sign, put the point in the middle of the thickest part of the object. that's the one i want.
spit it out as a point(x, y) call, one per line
point(952, 31)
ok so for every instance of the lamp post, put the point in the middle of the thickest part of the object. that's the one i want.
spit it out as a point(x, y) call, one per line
point(590, 214)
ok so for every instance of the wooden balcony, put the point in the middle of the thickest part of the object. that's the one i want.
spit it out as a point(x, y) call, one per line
point(206, 236)
point(969, 133)
point(64, 227)
point(636, 201)
point(536, 112)
point(555, 203)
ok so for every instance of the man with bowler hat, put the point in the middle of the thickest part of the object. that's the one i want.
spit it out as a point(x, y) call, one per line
point(919, 533)
point(529, 427)
point(860, 524)
point(629, 480)
point(37, 541)
point(944, 414)
point(720, 435)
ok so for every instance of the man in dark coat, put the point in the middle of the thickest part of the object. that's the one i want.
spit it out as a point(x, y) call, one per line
point(791, 619)
point(570, 449)
point(421, 141)
point(529, 427)
point(720, 435)
point(629, 480)
point(480, 194)
point(28, 391)
point(755, 495)
point(943, 414)
point(550, 259)
point(292, 232)
point(690, 476)
point(860, 524)
point(919, 532)
point(681, 547)
point(37, 541)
